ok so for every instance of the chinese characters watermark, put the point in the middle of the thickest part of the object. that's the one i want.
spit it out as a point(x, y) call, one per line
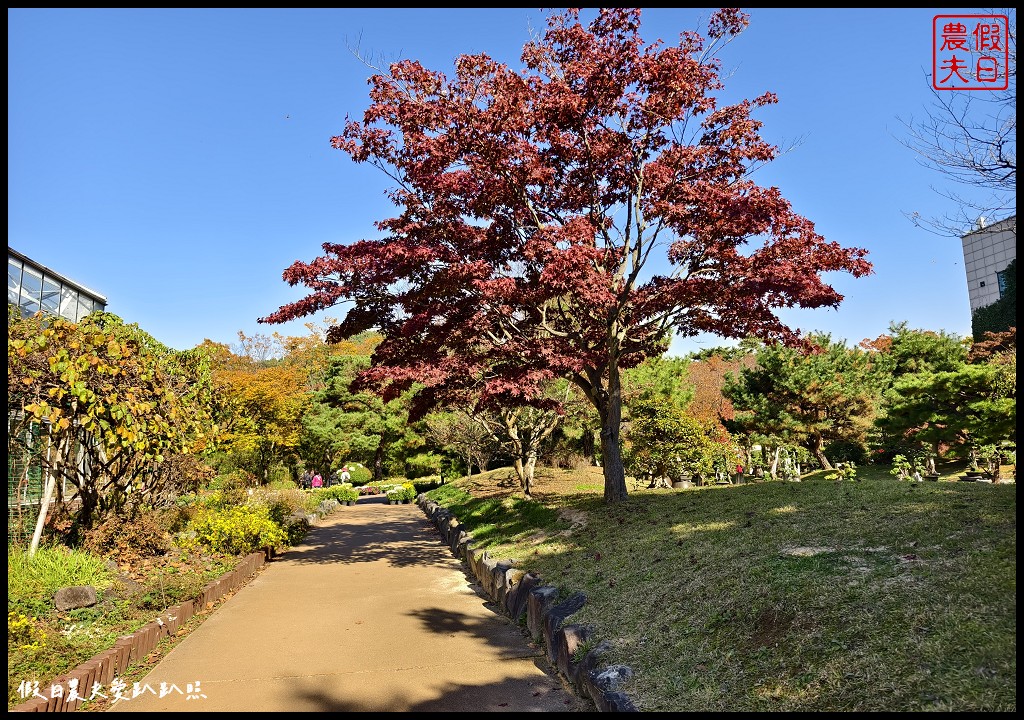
point(117, 692)
point(970, 52)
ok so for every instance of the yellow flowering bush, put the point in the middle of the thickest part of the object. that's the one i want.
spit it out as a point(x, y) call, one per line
point(236, 530)
point(23, 633)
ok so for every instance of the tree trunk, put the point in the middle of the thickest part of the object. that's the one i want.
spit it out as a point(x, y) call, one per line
point(610, 409)
point(520, 470)
point(773, 470)
point(50, 483)
point(378, 461)
point(527, 479)
point(818, 448)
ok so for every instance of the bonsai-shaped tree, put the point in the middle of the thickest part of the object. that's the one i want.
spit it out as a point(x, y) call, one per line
point(901, 467)
point(992, 458)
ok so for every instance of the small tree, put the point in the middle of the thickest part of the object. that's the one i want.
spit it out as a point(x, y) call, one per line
point(806, 398)
point(456, 432)
point(664, 442)
point(109, 403)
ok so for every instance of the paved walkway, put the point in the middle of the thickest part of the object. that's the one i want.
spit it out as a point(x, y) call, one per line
point(371, 613)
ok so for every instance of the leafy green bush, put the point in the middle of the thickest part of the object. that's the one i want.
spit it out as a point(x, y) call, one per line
point(341, 493)
point(845, 450)
point(345, 493)
point(843, 471)
point(236, 530)
point(359, 475)
point(452, 468)
point(665, 442)
point(422, 465)
point(428, 483)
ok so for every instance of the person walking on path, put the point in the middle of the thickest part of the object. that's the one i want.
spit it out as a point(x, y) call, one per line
point(318, 481)
point(398, 627)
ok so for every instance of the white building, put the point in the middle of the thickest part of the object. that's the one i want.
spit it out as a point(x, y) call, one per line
point(987, 252)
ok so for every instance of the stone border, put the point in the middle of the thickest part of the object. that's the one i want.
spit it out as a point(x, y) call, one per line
point(129, 649)
point(519, 593)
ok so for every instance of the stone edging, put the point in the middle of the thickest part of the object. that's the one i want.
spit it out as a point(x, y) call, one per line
point(517, 593)
point(129, 649)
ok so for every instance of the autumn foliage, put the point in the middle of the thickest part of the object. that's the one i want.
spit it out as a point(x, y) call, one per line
point(563, 220)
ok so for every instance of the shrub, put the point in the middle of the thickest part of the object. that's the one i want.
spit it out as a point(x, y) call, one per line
point(428, 483)
point(280, 504)
point(342, 493)
point(846, 450)
point(451, 468)
point(843, 471)
point(422, 465)
point(233, 488)
point(345, 493)
point(174, 519)
point(127, 539)
point(280, 477)
point(236, 530)
point(359, 474)
point(665, 442)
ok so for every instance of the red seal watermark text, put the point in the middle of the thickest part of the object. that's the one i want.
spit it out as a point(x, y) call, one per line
point(970, 52)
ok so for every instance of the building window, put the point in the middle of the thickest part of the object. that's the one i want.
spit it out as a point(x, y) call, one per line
point(1001, 281)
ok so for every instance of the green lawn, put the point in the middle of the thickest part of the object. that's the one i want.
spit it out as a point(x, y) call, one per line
point(872, 595)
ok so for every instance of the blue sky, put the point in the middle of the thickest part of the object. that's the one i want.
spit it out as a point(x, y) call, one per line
point(178, 160)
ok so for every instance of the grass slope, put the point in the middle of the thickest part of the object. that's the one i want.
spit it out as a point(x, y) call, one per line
point(874, 595)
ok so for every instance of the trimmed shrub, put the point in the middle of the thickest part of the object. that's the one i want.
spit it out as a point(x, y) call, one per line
point(341, 493)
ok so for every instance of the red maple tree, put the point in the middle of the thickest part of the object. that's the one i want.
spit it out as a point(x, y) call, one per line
point(535, 205)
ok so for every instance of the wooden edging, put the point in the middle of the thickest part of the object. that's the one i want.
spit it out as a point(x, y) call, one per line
point(519, 593)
